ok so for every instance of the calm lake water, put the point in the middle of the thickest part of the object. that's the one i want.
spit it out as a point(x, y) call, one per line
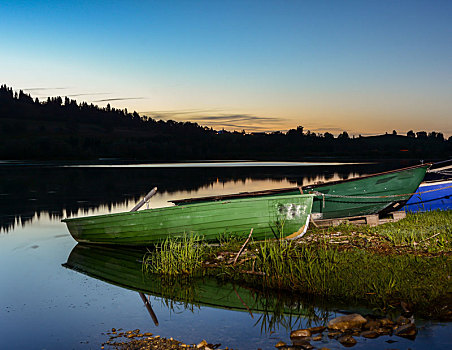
point(45, 305)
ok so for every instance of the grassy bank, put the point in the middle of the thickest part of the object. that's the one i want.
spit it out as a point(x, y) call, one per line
point(409, 261)
point(429, 232)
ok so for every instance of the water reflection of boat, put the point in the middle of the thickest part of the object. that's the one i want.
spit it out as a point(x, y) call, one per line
point(269, 217)
point(370, 194)
point(123, 268)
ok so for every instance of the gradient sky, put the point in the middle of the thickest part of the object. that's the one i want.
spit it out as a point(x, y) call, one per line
point(362, 66)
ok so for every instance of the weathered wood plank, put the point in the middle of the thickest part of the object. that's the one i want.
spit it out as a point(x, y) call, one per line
point(371, 220)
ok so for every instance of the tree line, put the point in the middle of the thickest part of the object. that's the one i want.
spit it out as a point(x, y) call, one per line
point(62, 128)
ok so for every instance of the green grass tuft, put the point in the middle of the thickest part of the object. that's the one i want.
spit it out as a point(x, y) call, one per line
point(177, 256)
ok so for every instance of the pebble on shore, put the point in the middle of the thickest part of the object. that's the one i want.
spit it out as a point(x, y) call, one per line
point(134, 340)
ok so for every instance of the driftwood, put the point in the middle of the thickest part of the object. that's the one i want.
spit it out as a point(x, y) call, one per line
point(243, 246)
point(314, 223)
point(257, 273)
point(145, 199)
point(426, 239)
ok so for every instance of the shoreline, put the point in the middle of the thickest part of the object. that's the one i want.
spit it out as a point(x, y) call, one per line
point(346, 330)
point(409, 261)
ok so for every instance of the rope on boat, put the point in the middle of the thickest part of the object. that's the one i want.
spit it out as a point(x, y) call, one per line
point(446, 171)
point(317, 193)
point(443, 172)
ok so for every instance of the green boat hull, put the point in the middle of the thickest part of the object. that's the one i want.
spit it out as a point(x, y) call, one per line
point(365, 195)
point(269, 217)
point(373, 194)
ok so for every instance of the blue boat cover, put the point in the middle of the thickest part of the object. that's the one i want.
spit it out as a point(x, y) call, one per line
point(431, 196)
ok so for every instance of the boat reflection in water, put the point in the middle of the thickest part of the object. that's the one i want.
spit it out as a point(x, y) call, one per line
point(123, 267)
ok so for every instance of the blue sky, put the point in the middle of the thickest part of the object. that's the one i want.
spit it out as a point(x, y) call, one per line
point(362, 66)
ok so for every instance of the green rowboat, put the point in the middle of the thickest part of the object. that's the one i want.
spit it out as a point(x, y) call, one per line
point(372, 194)
point(268, 216)
point(365, 195)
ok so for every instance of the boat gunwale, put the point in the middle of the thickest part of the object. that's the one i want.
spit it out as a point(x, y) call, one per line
point(286, 189)
point(446, 164)
point(180, 207)
point(435, 182)
point(428, 165)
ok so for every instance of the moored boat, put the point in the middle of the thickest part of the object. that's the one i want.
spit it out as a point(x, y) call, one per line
point(439, 171)
point(435, 192)
point(366, 195)
point(269, 217)
point(431, 195)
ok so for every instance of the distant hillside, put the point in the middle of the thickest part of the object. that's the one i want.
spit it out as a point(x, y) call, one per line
point(61, 128)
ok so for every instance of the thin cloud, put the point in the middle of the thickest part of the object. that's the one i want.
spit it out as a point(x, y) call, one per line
point(242, 122)
point(173, 113)
point(89, 94)
point(236, 126)
point(238, 117)
point(45, 88)
point(119, 99)
point(327, 129)
point(214, 118)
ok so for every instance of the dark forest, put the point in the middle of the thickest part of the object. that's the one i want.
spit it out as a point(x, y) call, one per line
point(62, 129)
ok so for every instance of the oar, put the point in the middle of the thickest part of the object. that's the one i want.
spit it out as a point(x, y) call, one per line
point(143, 297)
point(145, 199)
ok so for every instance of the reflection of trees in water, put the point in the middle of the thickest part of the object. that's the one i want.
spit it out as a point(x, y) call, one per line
point(28, 192)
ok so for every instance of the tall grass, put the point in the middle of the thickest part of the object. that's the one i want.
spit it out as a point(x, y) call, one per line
point(379, 280)
point(173, 257)
point(284, 263)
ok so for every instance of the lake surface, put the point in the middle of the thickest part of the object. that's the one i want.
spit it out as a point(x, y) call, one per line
point(45, 305)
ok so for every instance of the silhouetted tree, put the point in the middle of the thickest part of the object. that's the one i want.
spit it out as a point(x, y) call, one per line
point(343, 136)
point(296, 132)
point(328, 136)
point(421, 135)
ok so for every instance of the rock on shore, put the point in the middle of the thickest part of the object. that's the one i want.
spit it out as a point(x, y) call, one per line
point(343, 323)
